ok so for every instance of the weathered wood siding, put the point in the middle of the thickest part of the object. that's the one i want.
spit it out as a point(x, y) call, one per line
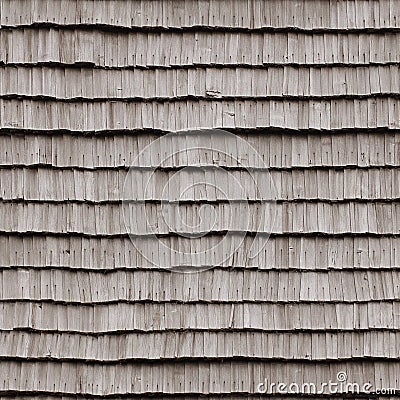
point(85, 85)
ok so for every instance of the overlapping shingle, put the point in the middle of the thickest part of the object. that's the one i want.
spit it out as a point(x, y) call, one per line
point(102, 185)
point(212, 286)
point(232, 14)
point(188, 49)
point(75, 84)
point(286, 252)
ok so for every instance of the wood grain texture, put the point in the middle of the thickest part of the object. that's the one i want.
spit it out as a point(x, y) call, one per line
point(76, 84)
point(89, 312)
point(152, 316)
point(181, 115)
point(230, 14)
point(213, 286)
point(280, 252)
point(102, 185)
point(276, 151)
point(188, 49)
point(186, 377)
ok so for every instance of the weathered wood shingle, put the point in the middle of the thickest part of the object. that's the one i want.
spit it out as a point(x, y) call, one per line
point(231, 14)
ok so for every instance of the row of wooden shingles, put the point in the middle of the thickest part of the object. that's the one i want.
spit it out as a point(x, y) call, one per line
point(260, 150)
point(187, 377)
point(197, 345)
point(179, 115)
point(198, 184)
point(216, 285)
point(171, 218)
point(286, 252)
point(165, 49)
point(164, 84)
point(151, 316)
point(359, 14)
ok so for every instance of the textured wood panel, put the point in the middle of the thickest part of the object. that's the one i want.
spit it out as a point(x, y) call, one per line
point(204, 114)
point(229, 14)
point(87, 311)
point(83, 287)
point(155, 219)
point(275, 150)
point(102, 186)
point(149, 317)
point(76, 83)
point(188, 49)
point(350, 252)
point(198, 345)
